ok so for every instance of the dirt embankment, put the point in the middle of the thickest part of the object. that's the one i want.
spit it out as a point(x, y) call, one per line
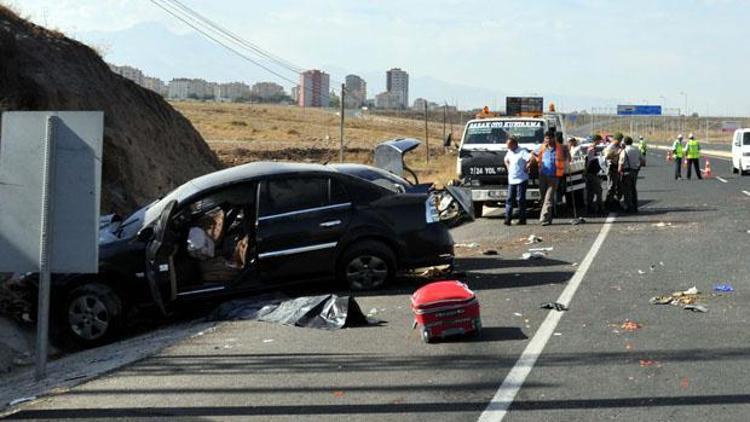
point(149, 148)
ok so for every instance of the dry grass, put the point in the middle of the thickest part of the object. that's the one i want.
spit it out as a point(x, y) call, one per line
point(241, 133)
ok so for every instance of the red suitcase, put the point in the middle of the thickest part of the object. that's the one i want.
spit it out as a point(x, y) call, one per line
point(445, 308)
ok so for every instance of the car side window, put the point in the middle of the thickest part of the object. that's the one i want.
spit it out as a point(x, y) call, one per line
point(339, 195)
point(279, 196)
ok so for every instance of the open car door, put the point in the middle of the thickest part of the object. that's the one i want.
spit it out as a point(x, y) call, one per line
point(158, 252)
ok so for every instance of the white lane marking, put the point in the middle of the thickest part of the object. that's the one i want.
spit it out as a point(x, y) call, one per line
point(746, 192)
point(720, 179)
point(498, 406)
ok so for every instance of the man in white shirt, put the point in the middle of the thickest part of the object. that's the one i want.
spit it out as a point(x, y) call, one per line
point(629, 164)
point(516, 161)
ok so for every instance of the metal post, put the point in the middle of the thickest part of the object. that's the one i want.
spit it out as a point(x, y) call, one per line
point(341, 127)
point(42, 320)
point(426, 134)
point(444, 118)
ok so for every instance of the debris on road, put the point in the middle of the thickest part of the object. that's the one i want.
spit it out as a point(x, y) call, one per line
point(533, 255)
point(547, 249)
point(21, 400)
point(652, 268)
point(641, 272)
point(471, 245)
point(578, 220)
point(554, 305)
point(723, 287)
point(687, 299)
point(684, 383)
point(662, 224)
point(268, 340)
point(695, 308)
point(445, 308)
point(629, 325)
point(575, 264)
point(328, 312)
point(533, 239)
point(645, 363)
point(436, 271)
point(518, 314)
point(556, 334)
point(489, 252)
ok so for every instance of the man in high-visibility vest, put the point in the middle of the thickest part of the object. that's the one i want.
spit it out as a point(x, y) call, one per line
point(553, 158)
point(643, 148)
point(677, 150)
point(693, 155)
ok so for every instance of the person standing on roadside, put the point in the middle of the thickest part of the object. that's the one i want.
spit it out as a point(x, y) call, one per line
point(553, 158)
point(693, 155)
point(593, 182)
point(612, 155)
point(643, 148)
point(629, 164)
point(677, 153)
point(516, 161)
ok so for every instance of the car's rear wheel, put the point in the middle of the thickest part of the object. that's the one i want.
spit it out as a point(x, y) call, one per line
point(92, 314)
point(367, 265)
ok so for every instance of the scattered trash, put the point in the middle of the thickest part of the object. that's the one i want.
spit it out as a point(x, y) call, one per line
point(695, 308)
point(21, 400)
point(267, 340)
point(556, 334)
point(373, 311)
point(652, 268)
point(339, 393)
point(517, 314)
point(471, 245)
point(547, 249)
point(436, 271)
point(489, 252)
point(661, 263)
point(554, 305)
point(645, 363)
point(575, 264)
point(662, 224)
point(687, 299)
point(629, 325)
point(533, 255)
point(628, 346)
point(726, 287)
point(641, 272)
point(578, 220)
point(684, 383)
point(536, 239)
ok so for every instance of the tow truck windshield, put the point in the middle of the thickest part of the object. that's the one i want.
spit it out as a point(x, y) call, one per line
point(497, 132)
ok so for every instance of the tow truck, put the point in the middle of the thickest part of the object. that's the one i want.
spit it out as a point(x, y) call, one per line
point(480, 165)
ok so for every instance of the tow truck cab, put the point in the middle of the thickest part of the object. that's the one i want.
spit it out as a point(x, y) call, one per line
point(480, 165)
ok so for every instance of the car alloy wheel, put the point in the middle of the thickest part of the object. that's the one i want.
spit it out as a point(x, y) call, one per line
point(88, 317)
point(366, 272)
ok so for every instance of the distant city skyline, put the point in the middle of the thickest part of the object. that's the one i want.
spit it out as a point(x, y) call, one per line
point(579, 53)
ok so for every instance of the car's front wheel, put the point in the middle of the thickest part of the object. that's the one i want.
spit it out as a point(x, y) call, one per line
point(92, 314)
point(367, 265)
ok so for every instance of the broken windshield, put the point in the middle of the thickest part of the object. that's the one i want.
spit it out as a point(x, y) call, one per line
point(497, 132)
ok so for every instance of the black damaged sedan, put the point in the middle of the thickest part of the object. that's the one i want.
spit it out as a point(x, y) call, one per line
point(248, 228)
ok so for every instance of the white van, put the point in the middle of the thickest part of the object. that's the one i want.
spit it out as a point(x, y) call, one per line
point(741, 151)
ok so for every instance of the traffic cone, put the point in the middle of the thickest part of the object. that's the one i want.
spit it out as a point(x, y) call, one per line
point(707, 169)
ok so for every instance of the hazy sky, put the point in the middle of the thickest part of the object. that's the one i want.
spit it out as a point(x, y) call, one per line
point(625, 51)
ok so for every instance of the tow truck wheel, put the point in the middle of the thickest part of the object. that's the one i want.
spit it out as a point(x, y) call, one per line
point(478, 208)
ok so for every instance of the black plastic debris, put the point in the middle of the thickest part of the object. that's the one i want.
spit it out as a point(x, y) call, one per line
point(554, 305)
point(327, 312)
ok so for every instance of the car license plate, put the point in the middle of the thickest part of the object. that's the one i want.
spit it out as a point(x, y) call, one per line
point(496, 194)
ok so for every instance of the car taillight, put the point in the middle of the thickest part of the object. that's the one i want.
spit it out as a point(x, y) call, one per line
point(431, 210)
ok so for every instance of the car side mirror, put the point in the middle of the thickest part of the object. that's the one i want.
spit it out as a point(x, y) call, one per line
point(145, 234)
point(448, 140)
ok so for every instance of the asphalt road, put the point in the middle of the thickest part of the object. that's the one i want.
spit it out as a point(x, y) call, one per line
point(680, 365)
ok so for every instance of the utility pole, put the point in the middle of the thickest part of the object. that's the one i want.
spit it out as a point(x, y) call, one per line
point(445, 106)
point(341, 127)
point(426, 134)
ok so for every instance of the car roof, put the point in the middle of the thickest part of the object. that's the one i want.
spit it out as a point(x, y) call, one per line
point(255, 170)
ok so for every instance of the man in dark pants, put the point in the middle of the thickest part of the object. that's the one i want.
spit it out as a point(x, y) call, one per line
point(516, 161)
point(677, 153)
point(629, 164)
point(693, 154)
point(593, 182)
